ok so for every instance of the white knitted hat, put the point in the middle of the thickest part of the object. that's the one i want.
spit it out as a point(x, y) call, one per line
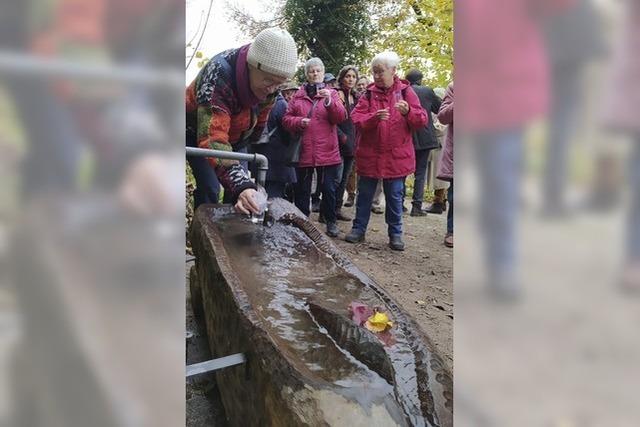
point(274, 51)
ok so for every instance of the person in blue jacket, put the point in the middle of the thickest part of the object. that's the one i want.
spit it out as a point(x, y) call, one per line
point(279, 175)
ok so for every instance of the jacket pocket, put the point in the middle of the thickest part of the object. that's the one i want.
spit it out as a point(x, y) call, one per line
point(403, 151)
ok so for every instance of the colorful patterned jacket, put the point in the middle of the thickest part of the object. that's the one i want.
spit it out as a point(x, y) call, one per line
point(223, 114)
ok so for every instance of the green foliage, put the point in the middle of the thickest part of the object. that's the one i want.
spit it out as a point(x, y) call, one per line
point(421, 33)
point(336, 31)
point(342, 32)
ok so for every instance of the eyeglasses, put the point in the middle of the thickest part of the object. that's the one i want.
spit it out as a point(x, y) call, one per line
point(269, 81)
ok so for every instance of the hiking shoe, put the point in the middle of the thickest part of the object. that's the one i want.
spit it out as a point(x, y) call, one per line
point(342, 217)
point(417, 211)
point(351, 200)
point(377, 209)
point(332, 229)
point(396, 243)
point(354, 236)
point(436, 208)
point(448, 240)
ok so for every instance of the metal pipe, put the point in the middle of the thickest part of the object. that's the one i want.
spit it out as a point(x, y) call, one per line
point(259, 159)
point(36, 67)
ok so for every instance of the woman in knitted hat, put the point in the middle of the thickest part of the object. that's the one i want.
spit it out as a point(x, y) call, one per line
point(314, 113)
point(227, 106)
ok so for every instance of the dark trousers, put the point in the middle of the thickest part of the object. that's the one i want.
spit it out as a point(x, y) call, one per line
point(207, 184)
point(450, 212)
point(393, 210)
point(347, 166)
point(422, 160)
point(315, 197)
point(328, 184)
point(275, 189)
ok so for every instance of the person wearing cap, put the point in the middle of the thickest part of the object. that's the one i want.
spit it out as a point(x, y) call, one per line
point(314, 113)
point(386, 115)
point(330, 80)
point(227, 107)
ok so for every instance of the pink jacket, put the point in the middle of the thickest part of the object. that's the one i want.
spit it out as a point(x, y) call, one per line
point(502, 71)
point(319, 145)
point(445, 116)
point(385, 147)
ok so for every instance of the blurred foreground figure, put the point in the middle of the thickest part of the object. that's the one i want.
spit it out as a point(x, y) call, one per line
point(574, 39)
point(622, 114)
point(96, 256)
point(503, 85)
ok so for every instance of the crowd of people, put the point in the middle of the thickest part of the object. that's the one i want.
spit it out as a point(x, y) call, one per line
point(356, 136)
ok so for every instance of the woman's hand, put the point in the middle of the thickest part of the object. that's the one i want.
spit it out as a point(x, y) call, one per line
point(305, 122)
point(403, 107)
point(383, 114)
point(246, 202)
point(325, 93)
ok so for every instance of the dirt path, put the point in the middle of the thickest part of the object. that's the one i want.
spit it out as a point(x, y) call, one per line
point(420, 279)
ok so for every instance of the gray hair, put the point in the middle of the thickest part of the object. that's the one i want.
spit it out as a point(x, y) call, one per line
point(313, 62)
point(388, 58)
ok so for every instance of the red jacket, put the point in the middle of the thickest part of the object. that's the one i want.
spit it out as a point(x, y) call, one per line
point(385, 148)
point(320, 138)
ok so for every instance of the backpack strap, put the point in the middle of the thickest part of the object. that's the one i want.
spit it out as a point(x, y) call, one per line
point(404, 94)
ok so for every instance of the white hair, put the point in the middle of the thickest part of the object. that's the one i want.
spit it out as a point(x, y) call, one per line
point(313, 62)
point(387, 58)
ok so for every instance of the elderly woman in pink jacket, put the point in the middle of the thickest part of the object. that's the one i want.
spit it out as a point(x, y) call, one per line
point(314, 113)
point(386, 115)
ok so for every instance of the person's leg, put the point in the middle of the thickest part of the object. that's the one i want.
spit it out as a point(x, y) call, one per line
point(376, 208)
point(347, 166)
point(302, 190)
point(633, 219)
point(317, 192)
point(564, 104)
point(366, 189)
point(331, 178)
point(422, 158)
point(207, 185)
point(393, 211)
point(630, 280)
point(275, 189)
point(351, 186)
point(330, 175)
point(500, 158)
point(448, 238)
point(289, 192)
point(450, 212)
